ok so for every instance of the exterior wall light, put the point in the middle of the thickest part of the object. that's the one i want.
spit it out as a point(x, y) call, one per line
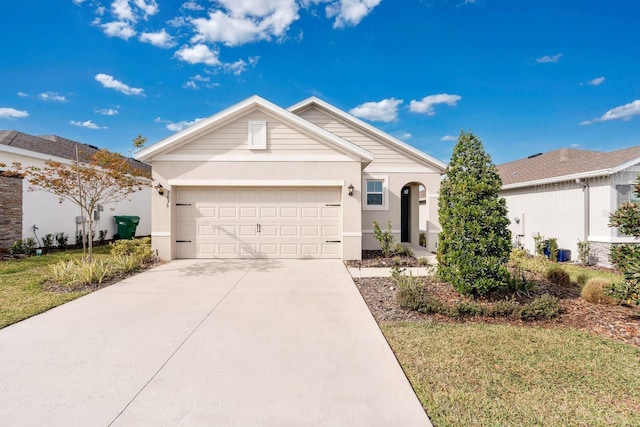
point(351, 188)
point(160, 189)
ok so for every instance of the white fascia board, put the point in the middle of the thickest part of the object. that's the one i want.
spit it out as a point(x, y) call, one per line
point(626, 165)
point(553, 180)
point(229, 113)
point(255, 183)
point(369, 128)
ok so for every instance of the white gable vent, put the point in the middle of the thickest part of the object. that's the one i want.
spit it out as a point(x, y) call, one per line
point(257, 135)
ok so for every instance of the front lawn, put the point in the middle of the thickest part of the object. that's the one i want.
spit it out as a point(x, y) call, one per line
point(504, 375)
point(21, 280)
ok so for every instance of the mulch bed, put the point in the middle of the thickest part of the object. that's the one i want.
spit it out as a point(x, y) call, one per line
point(621, 323)
point(371, 258)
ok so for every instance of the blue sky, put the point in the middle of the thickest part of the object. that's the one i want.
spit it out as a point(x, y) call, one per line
point(524, 76)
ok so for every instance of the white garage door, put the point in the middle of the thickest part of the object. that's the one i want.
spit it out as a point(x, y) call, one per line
point(258, 223)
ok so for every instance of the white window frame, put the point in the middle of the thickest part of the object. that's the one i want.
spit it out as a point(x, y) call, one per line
point(385, 193)
point(257, 134)
point(629, 197)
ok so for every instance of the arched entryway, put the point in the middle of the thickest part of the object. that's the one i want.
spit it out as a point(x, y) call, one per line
point(410, 222)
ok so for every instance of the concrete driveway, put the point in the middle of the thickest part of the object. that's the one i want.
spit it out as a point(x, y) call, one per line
point(211, 343)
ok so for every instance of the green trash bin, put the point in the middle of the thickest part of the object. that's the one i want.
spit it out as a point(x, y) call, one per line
point(127, 225)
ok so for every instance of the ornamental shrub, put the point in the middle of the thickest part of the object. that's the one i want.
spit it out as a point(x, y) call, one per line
point(558, 276)
point(475, 242)
point(595, 291)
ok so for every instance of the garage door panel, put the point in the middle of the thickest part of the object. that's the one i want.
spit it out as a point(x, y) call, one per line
point(257, 222)
point(270, 212)
point(289, 212)
point(310, 212)
point(207, 211)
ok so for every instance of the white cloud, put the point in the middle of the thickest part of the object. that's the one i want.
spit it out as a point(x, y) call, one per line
point(52, 96)
point(159, 39)
point(149, 7)
point(22, 94)
point(597, 81)
point(122, 10)
point(107, 111)
point(118, 29)
point(198, 54)
point(199, 78)
point(623, 112)
point(12, 113)
point(549, 59)
point(382, 111)
point(178, 21)
point(88, 124)
point(428, 102)
point(245, 22)
point(111, 83)
point(191, 5)
point(449, 138)
point(191, 85)
point(78, 2)
point(178, 126)
point(350, 12)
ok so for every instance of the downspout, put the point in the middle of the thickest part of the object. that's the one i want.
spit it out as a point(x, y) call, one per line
point(585, 191)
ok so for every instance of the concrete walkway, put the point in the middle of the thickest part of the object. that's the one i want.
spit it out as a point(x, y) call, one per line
point(236, 342)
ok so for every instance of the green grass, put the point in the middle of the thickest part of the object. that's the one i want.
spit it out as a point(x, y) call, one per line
point(21, 294)
point(495, 375)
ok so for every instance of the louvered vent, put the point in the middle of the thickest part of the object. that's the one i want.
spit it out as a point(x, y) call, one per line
point(257, 135)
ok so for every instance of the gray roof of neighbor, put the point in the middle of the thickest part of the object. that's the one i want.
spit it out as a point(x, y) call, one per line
point(563, 162)
point(54, 145)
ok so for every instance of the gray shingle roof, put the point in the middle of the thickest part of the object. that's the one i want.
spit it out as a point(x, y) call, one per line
point(562, 162)
point(53, 145)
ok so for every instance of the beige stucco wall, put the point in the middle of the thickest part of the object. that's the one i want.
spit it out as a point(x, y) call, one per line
point(172, 174)
point(396, 181)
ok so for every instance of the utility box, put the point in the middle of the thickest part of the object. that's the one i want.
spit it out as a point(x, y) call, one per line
point(127, 225)
point(564, 255)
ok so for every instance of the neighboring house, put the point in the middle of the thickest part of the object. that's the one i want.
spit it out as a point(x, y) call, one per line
point(569, 194)
point(22, 209)
point(260, 181)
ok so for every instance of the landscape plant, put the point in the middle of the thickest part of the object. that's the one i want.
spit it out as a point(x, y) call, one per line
point(595, 291)
point(583, 252)
point(47, 242)
point(475, 241)
point(627, 257)
point(62, 240)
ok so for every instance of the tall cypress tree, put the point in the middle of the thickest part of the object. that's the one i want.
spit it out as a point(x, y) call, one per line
point(475, 241)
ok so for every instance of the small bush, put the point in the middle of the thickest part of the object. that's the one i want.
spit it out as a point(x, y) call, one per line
point(583, 252)
point(402, 250)
point(558, 276)
point(543, 307)
point(517, 255)
point(468, 309)
point(424, 262)
point(77, 273)
point(625, 257)
point(504, 308)
point(627, 291)
point(102, 237)
point(411, 291)
point(47, 242)
point(23, 247)
point(594, 291)
point(62, 240)
point(127, 263)
point(140, 248)
point(422, 239)
point(385, 238)
point(582, 279)
point(553, 248)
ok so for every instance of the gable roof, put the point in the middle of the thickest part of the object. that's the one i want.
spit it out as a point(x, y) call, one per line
point(565, 164)
point(231, 113)
point(372, 130)
point(48, 146)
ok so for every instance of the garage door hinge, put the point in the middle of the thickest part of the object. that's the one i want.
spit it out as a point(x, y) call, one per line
point(183, 204)
point(183, 241)
point(333, 241)
point(331, 204)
